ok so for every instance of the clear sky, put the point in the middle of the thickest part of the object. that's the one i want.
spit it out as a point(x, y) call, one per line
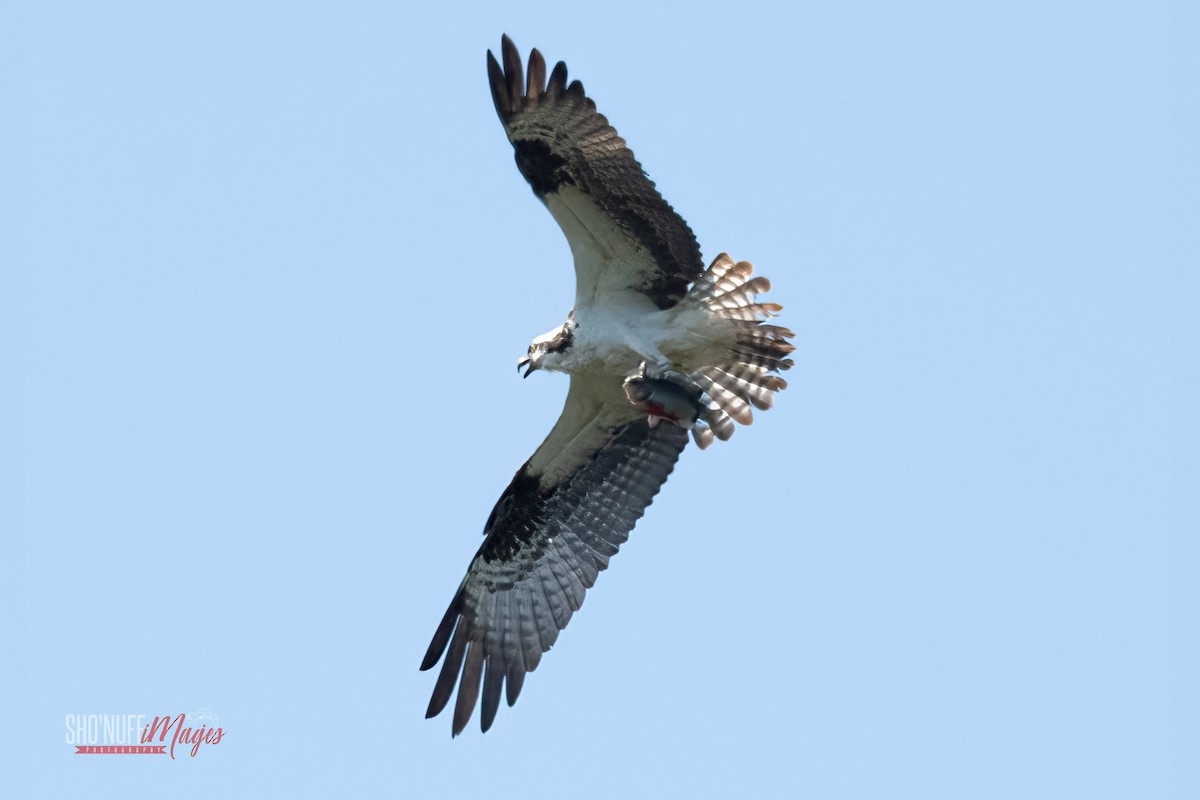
point(274, 266)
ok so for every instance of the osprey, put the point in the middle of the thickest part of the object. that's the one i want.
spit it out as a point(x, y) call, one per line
point(656, 346)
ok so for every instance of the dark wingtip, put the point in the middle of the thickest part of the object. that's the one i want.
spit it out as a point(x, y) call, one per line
point(516, 87)
point(493, 680)
point(514, 74)
point(496, 81)
point(442, 636)
point(535, 78)
point(557, 86)
point(512, 685)
point(444, 688)
point(468, 688)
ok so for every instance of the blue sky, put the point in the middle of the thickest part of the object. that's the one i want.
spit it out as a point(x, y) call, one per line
point(274, 266)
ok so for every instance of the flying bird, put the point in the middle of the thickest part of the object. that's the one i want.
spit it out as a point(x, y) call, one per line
point(657, 346)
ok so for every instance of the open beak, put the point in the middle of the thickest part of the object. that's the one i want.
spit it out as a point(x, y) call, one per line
point(527, 363)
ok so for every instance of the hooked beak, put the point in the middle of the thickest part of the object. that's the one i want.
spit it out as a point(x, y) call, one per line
point(528, 363)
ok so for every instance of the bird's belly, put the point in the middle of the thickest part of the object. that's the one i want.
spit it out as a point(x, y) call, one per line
point(618, 340)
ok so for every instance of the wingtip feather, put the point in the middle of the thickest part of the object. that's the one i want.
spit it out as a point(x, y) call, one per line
point(535, 81)
point(512, 685)
point(444, 687)
point(499, 90)
point(493, 685)
point(468, 690)
point(514, 74)
point(442, 636)
point(557, 85)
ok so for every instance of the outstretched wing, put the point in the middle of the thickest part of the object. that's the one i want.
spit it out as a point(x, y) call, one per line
point(566, 512)
point(622, 233)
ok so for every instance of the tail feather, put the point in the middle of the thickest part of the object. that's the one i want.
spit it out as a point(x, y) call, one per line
point(750, 385)
point(732, 282)
point(703, 436)
point(755, 312)
point(706, 284)
point(728, 398)
point(720, 424)
point(757, 350)
point(740, 295)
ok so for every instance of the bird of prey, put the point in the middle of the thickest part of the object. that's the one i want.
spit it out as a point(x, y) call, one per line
point(656, 346)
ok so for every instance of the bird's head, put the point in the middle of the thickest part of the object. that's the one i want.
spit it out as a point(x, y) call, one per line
point(546, 350)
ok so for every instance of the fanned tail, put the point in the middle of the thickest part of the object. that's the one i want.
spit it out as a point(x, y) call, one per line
point(758, 351)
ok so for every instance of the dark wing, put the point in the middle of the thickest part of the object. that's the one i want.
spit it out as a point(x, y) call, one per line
point(622, 233)
point(566, 512)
